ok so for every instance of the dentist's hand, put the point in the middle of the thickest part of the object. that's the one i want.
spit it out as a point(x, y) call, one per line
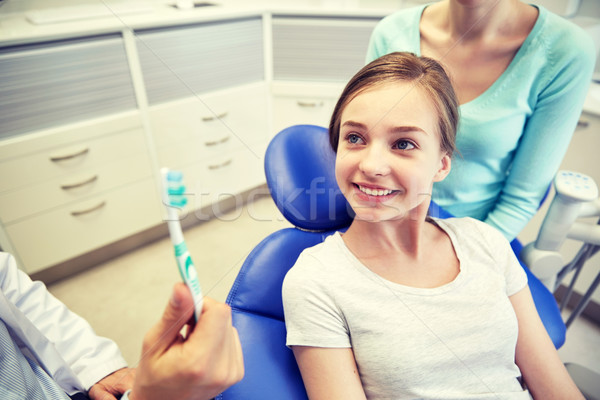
point(198, 366)
point(112, 386)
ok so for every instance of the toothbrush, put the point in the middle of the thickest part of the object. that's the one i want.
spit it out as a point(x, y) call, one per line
point(173, 198)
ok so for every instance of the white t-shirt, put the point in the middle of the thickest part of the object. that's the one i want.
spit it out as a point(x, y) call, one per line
point(456, 341)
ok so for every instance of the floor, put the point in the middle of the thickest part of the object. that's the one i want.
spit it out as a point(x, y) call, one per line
point(122, 298)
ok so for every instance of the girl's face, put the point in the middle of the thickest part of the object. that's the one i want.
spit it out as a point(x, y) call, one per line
point(389, 152)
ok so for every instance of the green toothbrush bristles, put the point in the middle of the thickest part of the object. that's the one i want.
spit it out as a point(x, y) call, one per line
point(176, 189)
point(174, 176)
point(177, 201)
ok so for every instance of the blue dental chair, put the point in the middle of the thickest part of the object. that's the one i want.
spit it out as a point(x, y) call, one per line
point(299, 167)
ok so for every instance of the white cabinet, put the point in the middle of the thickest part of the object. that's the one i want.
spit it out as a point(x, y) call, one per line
point(81, 144)
point(191, 129)
point(61, 234)
point(66, 191)
point(87, 122)
point(71, 145)
point(218, 142)
point(208, 104)
point(313, 58)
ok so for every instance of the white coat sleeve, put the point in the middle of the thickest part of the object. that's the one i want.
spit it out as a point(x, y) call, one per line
point(90, 357)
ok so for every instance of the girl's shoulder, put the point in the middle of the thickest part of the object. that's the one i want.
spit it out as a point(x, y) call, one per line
point(466, 225)
point(481, 241)
point(331, 245)
point(472, 232)
point(321, 257)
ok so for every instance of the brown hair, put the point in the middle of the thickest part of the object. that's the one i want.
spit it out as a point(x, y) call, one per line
point(425, 72)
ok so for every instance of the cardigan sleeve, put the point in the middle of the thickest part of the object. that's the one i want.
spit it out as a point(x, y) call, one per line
point(547, 132)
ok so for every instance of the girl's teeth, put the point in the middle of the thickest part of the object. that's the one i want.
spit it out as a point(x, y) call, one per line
point(375, 192)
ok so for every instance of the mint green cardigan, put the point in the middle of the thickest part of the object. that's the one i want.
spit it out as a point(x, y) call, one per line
point(511, 138)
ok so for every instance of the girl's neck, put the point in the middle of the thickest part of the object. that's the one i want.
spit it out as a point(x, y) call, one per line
point(406, 236)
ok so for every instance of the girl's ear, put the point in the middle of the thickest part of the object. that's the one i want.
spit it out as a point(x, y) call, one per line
point(445, 165)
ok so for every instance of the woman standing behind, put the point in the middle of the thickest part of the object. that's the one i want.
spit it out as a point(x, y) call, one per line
point(521, 75)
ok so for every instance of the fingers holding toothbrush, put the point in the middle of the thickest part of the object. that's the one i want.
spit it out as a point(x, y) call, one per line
point(218, 348)
point(199, 365)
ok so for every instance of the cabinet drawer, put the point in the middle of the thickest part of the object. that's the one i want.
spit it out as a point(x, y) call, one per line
point(288, 111)
point(80, 227)
point(222, 177)
point(226, 179)
point(588, 122)
point(248, 124)
point(35, 199)
point(179, 155)
point(187, 131)
point(238, 113)
point(60, 161)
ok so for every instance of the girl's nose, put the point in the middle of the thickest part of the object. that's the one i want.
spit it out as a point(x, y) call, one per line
point(374, 162)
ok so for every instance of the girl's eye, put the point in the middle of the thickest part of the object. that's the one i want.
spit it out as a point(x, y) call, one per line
point(354, 139)
point(403, 145)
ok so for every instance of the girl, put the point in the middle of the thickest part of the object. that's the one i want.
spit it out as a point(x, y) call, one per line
point(402, 306)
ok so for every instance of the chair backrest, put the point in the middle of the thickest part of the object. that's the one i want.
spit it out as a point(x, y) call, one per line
point(299, 167)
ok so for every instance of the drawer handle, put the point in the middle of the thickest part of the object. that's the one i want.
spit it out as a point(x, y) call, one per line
point(89, 210)
point(582, 123)
point(310, 104)
point(216, 142)
point(70, 156)
point(212, 118)
point(80, 184)
point(217, 166)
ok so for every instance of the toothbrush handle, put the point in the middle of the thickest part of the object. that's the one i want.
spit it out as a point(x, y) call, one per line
point(189, 276)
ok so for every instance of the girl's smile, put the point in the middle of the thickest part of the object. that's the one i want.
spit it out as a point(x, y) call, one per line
point(372, 193)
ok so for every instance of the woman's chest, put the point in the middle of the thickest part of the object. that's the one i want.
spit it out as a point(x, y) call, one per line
point(472, 69)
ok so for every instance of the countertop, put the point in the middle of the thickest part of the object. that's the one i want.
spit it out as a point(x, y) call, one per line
point(46, 24)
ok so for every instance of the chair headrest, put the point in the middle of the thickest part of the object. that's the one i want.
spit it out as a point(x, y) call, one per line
point(300, 172)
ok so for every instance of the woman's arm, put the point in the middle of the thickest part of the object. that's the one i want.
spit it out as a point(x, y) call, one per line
point(543, 371)
point(547, 132)
point(329, 373)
